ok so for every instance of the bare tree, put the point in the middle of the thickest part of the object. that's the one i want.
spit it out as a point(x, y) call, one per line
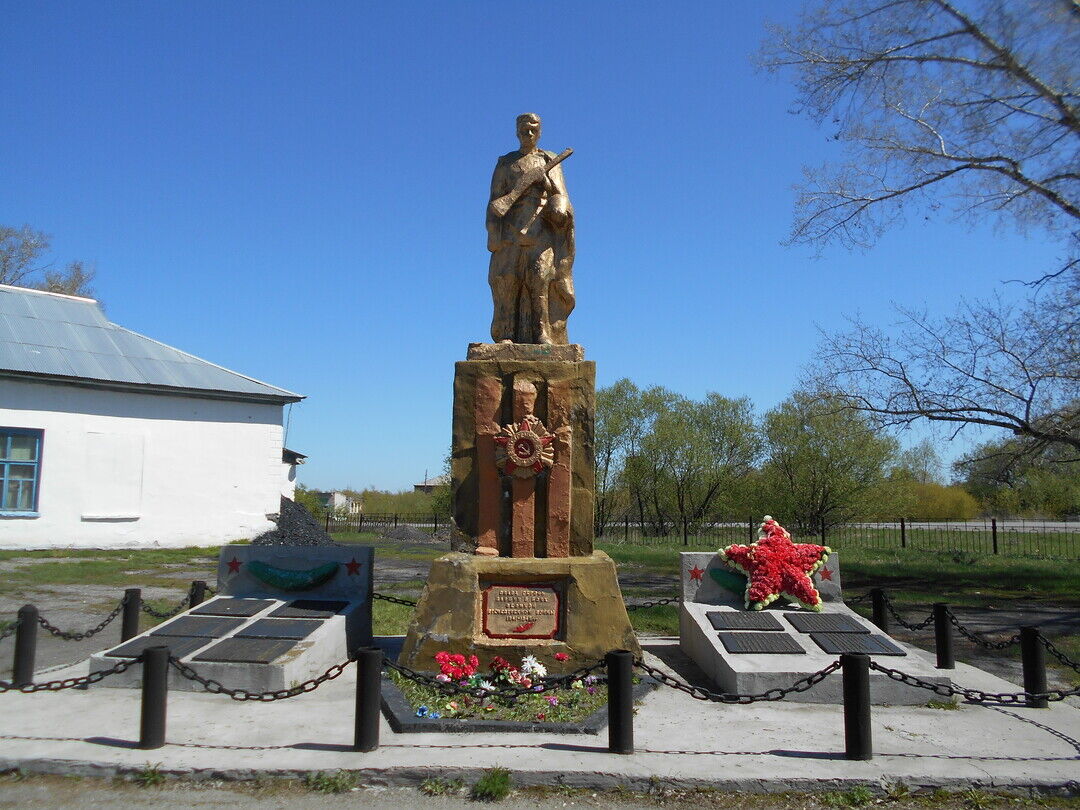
point(21, 251)
point(1011, 367)
point(970, 105)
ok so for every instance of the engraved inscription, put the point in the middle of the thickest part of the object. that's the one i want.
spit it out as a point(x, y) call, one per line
point(521, 611)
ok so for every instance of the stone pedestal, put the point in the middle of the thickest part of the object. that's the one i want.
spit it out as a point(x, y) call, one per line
point(510, 607)
point(552, 512)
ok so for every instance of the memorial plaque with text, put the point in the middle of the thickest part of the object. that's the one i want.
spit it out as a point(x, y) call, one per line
point(521, 611)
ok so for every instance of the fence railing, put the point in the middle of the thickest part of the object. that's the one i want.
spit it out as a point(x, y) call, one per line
point(376, 522)
point(1006, 537)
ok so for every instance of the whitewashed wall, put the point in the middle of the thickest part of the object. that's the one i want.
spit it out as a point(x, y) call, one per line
point(129, 469)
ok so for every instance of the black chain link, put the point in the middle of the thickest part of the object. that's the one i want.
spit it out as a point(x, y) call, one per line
point(1058, 654)
point(666, 601)
point(856, 600)
point(166, 614)
point(217, 688)
point(974, 695)
point(701, 693)
point(69, 683)
point(977, 639)
point(508, 692)
point(10, 629)
point(393, 599)
point(900, 619)
point(75, 636)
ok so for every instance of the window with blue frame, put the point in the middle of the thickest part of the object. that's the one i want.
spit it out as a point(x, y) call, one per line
point(20, 469)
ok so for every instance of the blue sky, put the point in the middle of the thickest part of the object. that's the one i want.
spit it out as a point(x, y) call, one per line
point(296, 192)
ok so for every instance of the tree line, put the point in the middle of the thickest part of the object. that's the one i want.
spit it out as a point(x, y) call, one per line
point(671, 464)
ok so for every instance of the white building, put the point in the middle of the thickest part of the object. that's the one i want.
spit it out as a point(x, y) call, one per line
point(109, 438)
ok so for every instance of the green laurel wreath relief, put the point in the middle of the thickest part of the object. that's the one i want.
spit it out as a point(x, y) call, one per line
point(289, 580)
point(736, 583)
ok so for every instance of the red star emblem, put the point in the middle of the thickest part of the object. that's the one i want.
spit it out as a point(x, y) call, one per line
point(696, 573)
point(234, 566)
point(777, 567)
point(825, 574)
point(353, 567)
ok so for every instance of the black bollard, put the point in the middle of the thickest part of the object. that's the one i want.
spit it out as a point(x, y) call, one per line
point(858, 743)
point(1033, 655)
point(881, 610)
point(197, 593)
point(129, 624)
point(943, 636)
point(155, 690)
point(22, 669)
point(368, 698)
point(620, 684)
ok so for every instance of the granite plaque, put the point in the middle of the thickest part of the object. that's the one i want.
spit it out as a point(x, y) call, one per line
point(228, 606)
point(204, 626)
point(825, 623)
point(179, 646)
point(280, 628)
point(771, 643)
point(740, 620)
point(246, 650)
point(309, 609)
point(838, 643)
point(521, 611)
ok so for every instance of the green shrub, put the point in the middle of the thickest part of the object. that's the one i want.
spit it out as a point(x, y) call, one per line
point(493, 786)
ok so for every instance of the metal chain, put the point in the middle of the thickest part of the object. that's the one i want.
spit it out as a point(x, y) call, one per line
point(855, 600)
point(393, 599)
point(69, 683)
point(10, 629)
point(701, 693)
point(507, 691)
point(900, 619)
point(974, 695)
point(74, 636)
point(982, 642)
point(216, 687)
point(666, 601)
point(166, 614)
point(1058, 654)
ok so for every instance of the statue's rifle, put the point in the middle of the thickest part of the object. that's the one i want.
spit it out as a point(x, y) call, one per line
point(500, 205)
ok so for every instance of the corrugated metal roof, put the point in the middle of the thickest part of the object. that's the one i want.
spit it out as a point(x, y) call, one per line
point(64, 336)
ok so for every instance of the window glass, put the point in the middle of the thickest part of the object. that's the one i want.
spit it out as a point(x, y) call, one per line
point(23, 448)
point(20, 469)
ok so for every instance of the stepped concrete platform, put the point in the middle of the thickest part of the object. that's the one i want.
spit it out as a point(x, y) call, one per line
point(679, 741)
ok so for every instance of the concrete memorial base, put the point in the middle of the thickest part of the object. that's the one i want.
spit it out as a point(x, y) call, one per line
point(510, 607)
point(749, 652)
point(284, 614)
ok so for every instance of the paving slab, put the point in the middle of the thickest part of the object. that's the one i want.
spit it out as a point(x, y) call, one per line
point(679, 741)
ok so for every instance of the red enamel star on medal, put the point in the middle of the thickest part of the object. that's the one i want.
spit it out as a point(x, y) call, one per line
point(775, 567)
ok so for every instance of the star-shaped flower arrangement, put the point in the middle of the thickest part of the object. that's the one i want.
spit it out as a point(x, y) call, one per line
point(777, 567)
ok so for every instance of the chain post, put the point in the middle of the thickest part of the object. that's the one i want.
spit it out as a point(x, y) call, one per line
point(858, 742)
point(129, 624)
point(155, 692)
point(198, 593)
point(368, 698)
point(626, 528)
point(881, 611)
point(1033, 656)
point(620, 669)
point(943, 637)
point(22, 669)
point(993, 534)
point(903, 533)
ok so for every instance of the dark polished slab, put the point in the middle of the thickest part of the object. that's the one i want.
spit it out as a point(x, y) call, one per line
point(770, 643)
point(309, 609)
point(826, 623)
point(839, 643)
point(246, 650)
point(204, 626)
point(230, 606)
point(280, 628)
point(179, 646)
point(743, 620)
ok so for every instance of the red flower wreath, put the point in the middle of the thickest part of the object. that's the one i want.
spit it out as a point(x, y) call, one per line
point(777, 567)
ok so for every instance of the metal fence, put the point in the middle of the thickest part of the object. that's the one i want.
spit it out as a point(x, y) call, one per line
point(380, 522)
point(1005, 537)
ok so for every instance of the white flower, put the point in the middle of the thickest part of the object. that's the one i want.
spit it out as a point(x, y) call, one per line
point(529, 664)
point(487, 686)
